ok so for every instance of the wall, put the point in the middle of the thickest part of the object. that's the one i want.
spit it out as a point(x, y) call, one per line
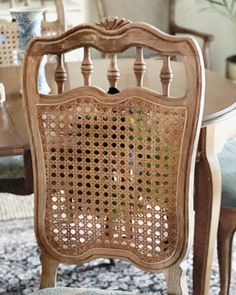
point(188, 14)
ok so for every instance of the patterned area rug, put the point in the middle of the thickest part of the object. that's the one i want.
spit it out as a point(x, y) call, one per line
point(20, 267)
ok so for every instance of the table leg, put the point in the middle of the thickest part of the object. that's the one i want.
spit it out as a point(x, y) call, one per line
point(28, 172)
point(207, 208)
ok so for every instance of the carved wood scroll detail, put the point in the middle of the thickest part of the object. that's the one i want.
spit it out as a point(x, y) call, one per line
point(113, 23)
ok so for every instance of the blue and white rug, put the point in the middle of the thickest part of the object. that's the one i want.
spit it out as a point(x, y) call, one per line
point(20, 268)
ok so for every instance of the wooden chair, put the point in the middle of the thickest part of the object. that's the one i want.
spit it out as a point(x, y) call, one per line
point(159, 13)
point(113, 173)
point(227, 223)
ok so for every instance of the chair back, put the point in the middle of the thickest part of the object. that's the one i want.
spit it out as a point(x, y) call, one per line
point(113, 173)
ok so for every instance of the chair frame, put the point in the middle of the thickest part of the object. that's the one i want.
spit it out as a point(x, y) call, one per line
point(173, 29)
point(111, 36)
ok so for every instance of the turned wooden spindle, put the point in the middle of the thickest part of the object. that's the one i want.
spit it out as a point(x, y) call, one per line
point(87, 67)
point(166, 75)
point(113, 73)
point(139, 66)
point(60, 73)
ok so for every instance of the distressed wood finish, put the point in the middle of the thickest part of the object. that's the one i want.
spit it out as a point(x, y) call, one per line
point(153, 8)
point(121, 154)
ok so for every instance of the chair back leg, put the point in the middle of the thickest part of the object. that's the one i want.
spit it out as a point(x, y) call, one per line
point(49, 271)
point(176, 279)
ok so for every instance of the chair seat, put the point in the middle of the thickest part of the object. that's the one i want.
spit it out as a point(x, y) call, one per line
point(12, 167)
point(227, 160)
point(73, 291)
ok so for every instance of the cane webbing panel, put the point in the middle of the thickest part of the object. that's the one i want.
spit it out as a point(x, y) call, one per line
point(111, 175)
point(9, 43)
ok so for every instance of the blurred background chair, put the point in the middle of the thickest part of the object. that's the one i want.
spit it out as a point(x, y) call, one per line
point(227, 223)
point(58, 26)
point(114, 173)
point(159, 13)
point(9, 43)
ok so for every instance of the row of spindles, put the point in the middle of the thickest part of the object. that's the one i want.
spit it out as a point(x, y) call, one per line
point(113, 73)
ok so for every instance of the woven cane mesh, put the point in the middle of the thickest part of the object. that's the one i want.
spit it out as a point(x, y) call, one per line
point(9, 43)
point(111, 175)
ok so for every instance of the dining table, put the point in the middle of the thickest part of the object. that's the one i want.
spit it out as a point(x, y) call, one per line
point(218, 125)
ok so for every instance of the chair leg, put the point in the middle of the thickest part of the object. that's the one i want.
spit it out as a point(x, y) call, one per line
point(224, 249)
point(176, 280)
point(49, 271)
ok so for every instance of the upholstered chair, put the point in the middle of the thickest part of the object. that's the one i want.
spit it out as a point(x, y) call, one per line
point(227, 223)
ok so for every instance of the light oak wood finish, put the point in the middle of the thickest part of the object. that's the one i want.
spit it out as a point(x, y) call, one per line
point(160, 13)
point(127, 190)
point(219, 117)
